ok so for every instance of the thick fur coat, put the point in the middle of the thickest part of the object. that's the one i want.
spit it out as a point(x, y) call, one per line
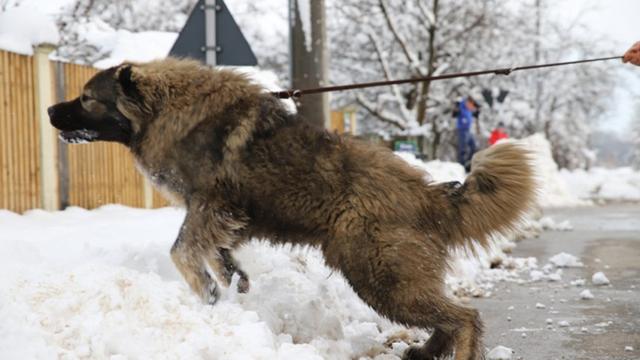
point(244, 167)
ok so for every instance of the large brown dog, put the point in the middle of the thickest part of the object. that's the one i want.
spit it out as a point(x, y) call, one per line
point(245, 167)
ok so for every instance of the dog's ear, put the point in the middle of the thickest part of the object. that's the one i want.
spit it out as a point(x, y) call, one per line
point(128, 83)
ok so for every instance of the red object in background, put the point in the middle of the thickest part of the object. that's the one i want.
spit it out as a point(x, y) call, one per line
point(496, 135)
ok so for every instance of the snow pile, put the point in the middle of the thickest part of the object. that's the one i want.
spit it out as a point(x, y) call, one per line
point(500, 353)
point(476, 276)
point(101, 284)
point(439, 171)
point(24, 26)
point(578, 282)
point(565, 260)
point(545, 274)
point(586, 294)
point(599, 278)
point(620, 184)
point(548, 223)
point(554, 192)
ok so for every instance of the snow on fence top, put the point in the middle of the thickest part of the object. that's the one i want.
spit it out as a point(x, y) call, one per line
point(25, 26)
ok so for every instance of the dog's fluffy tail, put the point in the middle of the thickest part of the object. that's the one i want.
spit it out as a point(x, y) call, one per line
point(496, 195)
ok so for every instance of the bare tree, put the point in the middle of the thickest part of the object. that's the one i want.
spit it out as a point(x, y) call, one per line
point(140, 15)
point(6, 4)
point(410, 38)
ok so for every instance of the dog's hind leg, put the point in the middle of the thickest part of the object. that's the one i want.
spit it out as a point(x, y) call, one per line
point(457, 328)
point(421, 302)
point(439, 345)
point(399, 272)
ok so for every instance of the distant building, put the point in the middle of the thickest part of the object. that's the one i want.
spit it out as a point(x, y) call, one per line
point(344, 120)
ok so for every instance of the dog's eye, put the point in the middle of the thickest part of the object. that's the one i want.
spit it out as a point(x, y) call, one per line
point(84, 98)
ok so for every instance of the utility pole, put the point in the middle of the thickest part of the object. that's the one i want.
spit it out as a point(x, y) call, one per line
point(537, 58)
point(309, 57)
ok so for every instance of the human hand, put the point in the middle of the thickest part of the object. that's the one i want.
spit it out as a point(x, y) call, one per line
point(633, 55)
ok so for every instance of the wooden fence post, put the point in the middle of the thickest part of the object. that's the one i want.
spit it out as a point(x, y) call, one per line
point(148, 193)
point(63, 154)
point(48, 135)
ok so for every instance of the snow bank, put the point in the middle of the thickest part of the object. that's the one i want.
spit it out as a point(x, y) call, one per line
point(24, 26)
point(599, 278)
point(554, 192)
point(619, 184)
point(101, 284)
point(586, 294)
point(548, 223)
point(439, 171)
point(563, 260)
point(500, 353)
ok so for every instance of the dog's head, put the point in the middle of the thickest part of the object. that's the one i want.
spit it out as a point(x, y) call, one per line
point(121, 103)
point(110, 108)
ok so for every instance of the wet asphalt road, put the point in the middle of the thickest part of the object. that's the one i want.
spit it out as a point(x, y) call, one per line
point(605, 238)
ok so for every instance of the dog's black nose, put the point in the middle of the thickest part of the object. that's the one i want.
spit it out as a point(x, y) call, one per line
point(51, 110)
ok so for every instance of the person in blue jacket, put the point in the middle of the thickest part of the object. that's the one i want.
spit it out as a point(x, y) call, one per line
point(467, 109)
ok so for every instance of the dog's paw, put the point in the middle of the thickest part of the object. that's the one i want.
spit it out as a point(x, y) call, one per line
point(211, 293)
point(416, 353)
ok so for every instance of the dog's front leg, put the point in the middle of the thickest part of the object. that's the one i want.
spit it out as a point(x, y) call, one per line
point(224, 266)
point(231, 266)
point(187, 255)
point(206, 237)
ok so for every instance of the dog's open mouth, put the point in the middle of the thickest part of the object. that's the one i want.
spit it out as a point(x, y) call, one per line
point(81, 136)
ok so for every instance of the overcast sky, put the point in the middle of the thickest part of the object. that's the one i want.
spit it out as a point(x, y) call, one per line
point(620, 20)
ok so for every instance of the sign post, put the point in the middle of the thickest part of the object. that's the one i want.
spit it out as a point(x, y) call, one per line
point(210, 32)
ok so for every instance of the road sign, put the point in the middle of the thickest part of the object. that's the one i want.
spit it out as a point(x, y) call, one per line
point(212, 36)
point(410, 146)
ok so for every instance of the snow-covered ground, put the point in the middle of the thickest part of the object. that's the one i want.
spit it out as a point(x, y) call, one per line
point(101, 284)
point(600, 184)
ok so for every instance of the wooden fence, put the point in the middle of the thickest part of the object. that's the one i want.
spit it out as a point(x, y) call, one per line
point(85, 175)
point(19, 140)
